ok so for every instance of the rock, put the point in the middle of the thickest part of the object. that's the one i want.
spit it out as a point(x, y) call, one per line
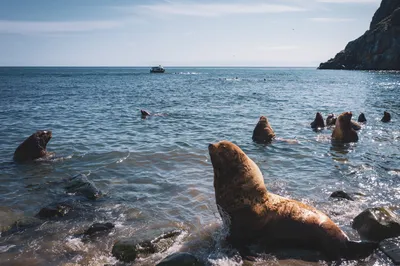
point(21, 225)
point(378, 48)
point(144, 244)
point(377, 224)
point(391, 247)
point(180, 259)
point(98, 227)
point(54, 210)
point(81, 185)
point(340, 194)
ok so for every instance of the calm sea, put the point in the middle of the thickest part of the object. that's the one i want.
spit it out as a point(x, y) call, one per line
point(156, 172)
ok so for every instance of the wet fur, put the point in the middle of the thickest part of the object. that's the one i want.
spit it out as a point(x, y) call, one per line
point(254, 215)
point(263, 132)
point(34, 147)
point(344, 131)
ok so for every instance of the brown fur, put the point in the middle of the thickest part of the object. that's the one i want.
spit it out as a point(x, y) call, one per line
point(343, 131)
point(263, 131)
point(252, 214)
point(318, 121)
point(33, 147)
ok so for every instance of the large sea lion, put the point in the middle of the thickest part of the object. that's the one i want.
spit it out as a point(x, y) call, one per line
point(318, 121)
point(33, 147)
point(343, 131)
point(386, 117)
point(254, 215)
point(263, 132)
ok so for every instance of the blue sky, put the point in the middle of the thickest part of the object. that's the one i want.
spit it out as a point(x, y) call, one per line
point(178, 32)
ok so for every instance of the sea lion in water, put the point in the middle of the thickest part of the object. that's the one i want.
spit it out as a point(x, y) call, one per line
point(144, 113)
point(318, 121)
point(343, 129)
point(330, 120)
point(33, 147)
point(386, 117)
point(253, 215)
point(263, 132)
point(361, 118)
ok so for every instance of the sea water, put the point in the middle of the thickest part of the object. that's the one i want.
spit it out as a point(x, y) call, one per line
point(156, 172)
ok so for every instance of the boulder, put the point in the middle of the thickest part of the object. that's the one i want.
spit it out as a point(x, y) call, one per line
point(55, 210)
point(98, 227)
point(378, 48)
point(82, 186)
point(180, 259)
point(377, 224)
point(144, 243)
point(340, 194)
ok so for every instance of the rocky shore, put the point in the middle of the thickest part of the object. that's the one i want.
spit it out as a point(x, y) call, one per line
point(378, 48)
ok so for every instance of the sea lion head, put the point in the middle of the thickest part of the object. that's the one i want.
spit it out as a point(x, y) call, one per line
point(33, 147)
point(263, 131)
point(361, 118)
point(344, 120)
point(238, 181)
point(331, 120)
point(386, 117)
point(318, 121)
point(144, 113)
point(344, 131)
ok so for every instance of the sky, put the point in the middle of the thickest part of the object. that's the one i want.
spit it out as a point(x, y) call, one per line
point(179, 32)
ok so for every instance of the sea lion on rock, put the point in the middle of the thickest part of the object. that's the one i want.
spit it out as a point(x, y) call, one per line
point(263, 132)
point(361, 118)
point(330, 120)
point(33, 147)
point(318, 121)
point(253, 215)
point(386, 117)
point(343, 131)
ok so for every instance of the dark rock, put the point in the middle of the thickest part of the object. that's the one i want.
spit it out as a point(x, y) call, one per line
point(318, 121)
point(378, 48)
point(391, 247)
point(34, 147)
point(98, 227)
point(330, 120)
point(144, 244)
point(21, 225)
point(340, 194)
point(386, 117)
point(377, 224)
point(81, 185)
point(361, 118)
point(54, 210)
point(180, 259)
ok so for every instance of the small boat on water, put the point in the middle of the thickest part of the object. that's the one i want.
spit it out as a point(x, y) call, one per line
point(157, 69)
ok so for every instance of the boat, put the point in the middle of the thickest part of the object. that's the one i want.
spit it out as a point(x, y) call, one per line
point(157, 69)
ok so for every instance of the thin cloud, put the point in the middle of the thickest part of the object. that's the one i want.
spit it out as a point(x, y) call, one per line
point(331, 19)
point(278, 48)
point(349, 1)
point(212, 9)
point(37, 27)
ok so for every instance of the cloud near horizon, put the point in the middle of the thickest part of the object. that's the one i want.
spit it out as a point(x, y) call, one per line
point(35, 27)
point(212, 9)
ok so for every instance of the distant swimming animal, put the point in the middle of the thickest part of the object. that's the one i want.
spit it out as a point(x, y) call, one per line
point(361, 118)
point(386, 117)
point(34, 147)
point(255, 216)
point(263, 132)
point(144, 113)
point(318, 121)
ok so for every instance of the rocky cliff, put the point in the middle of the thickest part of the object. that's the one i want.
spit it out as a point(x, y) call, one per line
point(378, 48)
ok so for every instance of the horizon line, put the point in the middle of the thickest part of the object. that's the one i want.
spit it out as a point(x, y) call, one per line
point(165, 66)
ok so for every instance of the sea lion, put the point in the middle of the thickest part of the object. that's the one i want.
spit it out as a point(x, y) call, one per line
point(255, 216)
point(144, 113)
point(263, 132)
point(361, 118)
point(330, 120)
point(343, 131)
point(354, 125)
point(386, 117)
point(318, 121)
point(33, 147)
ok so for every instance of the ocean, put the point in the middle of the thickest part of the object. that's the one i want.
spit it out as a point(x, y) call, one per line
point(156, 172)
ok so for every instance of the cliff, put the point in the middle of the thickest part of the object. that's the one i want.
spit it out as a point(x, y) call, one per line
point(378, 48)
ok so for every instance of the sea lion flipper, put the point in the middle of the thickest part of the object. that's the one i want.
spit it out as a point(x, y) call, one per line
point(355, 250)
